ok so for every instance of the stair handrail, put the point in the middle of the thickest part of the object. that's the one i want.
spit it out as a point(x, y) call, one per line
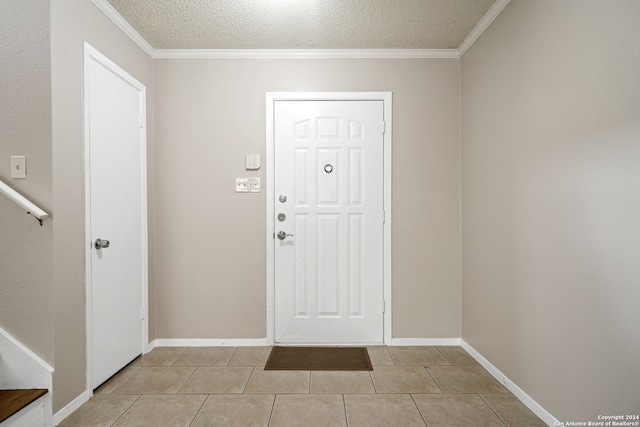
point(23, 202)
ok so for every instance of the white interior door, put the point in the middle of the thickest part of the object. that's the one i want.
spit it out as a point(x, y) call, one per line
point(116, 197)
point(329, 212)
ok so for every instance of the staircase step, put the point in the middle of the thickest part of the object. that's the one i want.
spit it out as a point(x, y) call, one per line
point(12, 401)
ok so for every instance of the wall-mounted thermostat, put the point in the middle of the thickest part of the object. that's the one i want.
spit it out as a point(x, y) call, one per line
point(252, 162)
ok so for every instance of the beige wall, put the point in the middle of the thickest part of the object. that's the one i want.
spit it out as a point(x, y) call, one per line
point(551, 202)
point(26, 249)
point(210, 259)
point(72, 22)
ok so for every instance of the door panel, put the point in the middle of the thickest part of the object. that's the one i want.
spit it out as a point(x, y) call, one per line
point(115, 142)
point(329, 269)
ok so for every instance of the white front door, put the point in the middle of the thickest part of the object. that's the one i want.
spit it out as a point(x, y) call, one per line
point(116, 204)
point(329, 221)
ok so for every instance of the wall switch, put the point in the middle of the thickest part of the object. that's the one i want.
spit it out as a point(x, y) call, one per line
point(252, 162)
point(242, 185)
point(18, 167)
point(254, 185)
point(248, 185)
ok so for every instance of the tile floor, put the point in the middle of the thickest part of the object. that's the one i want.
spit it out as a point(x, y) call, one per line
point(227, 386)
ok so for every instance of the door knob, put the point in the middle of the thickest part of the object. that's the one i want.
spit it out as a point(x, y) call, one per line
point(282, 235)
point(101, 244)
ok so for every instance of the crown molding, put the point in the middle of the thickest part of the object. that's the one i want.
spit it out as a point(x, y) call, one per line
point(304, 53)
point(106, 8)
point(482, 25)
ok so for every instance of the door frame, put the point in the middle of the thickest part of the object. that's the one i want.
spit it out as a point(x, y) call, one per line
point(271, 98)
point(92, 54)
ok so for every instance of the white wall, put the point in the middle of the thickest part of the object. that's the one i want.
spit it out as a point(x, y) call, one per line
point(210, 262)
point(551, 202)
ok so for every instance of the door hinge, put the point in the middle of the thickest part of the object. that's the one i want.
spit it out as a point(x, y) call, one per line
point(141, 121)
point(384, 127)
point(384, 306)
point(143, 313)
point(384, 217)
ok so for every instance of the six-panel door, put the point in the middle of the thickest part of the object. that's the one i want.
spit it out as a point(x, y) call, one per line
point(329, 189)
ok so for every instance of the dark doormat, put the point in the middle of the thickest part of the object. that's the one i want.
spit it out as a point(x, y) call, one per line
point(319, 359)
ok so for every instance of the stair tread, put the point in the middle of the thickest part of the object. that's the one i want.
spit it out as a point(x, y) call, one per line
point(12, 401)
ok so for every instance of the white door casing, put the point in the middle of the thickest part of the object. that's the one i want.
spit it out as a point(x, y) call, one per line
point(115, 178)
point(329, 155)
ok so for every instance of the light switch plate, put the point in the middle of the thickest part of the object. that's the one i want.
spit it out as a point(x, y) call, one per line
point(18, 167)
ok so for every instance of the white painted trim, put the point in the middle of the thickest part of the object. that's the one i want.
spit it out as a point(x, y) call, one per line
point(535, 407)
point(72, 406)
point(481, 26)
point(22, 368)
point(90, 53)
point(304, 53)
point(425, 341)
point(207, 342)
point(387, 98)
point(111, 13)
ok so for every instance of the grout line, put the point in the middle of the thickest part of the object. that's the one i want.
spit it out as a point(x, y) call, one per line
point(232, 356)
point(492, 410)
point(199, 409)
point(444, 355)
point(187, 380)
point(125, 411)
point(344, 406)
point(434, 379)
point(273, 405)
point(419, 411)
point(244, 390)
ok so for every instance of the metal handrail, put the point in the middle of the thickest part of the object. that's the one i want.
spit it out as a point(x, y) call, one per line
point(23, 202)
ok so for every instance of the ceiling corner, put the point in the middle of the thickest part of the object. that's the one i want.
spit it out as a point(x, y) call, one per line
point(482, 25)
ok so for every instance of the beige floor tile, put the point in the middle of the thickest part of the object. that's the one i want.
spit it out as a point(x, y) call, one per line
point(403, 379)
point(222, 380)
point(99, 411)
point(160, 356)
point(117, 380)
point(241, 410)
point(422, 355)
point(465, 379)
point(512, 411)
point(250, 356)
point(456, 410)
point(262, 381)
point(457, 355)
point(379, 355)
point(162, 411)
point(341, 382)
point(308, 410)
point(156, 380)
point(206, 356)
point(370, 410)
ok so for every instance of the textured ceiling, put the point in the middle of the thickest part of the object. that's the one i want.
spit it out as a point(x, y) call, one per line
point(303, 24)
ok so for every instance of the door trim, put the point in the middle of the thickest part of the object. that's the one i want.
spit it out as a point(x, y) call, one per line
point(271, 98)
point(92, 54)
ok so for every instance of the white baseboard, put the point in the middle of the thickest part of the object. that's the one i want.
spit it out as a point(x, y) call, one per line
point(511, 386)
point(425, 341)
point(63, 413)
point(206, 342)
point(22, 368)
